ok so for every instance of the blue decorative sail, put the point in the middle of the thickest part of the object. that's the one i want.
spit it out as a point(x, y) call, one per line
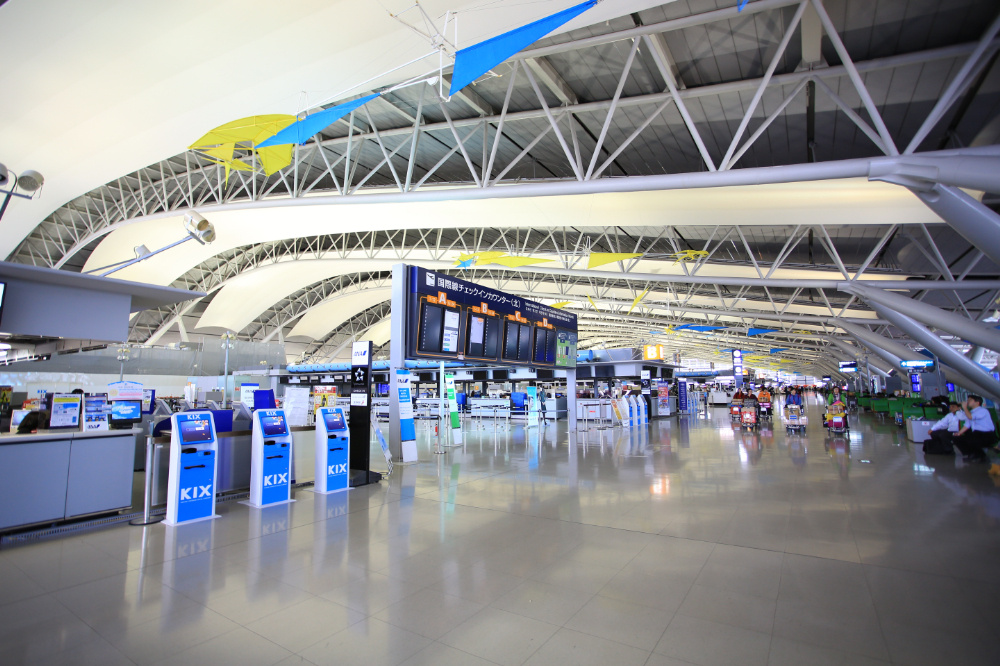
point(301, 130)
point(761, 331)
point(476, 60)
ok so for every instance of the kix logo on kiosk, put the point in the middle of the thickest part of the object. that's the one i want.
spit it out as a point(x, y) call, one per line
point(270, 459)
point(333, 448)
point(192, 476)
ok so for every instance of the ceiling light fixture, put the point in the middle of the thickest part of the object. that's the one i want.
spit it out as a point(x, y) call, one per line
point(197, 228)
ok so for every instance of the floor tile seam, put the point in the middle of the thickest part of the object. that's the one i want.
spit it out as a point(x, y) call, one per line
point(198, 644)
point(612, 640)
point(452, 647)
point(299, 652)
point(686, 594)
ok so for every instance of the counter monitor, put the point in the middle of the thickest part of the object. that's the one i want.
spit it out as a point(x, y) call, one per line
point(125, 413)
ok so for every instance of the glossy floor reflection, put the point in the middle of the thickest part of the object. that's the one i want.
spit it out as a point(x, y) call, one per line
point(685, 542)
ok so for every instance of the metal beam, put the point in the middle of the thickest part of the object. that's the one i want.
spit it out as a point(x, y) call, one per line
point(972, 372)
point(957, 325)
point(972, 220)
point(552, 80)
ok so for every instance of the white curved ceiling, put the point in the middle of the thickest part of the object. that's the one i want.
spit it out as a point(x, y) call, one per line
point(247, 296)
point(330, 314)
point(77, 110)
point(848, 201)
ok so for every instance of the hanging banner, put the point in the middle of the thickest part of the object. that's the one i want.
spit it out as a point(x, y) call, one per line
point(407, 431)
point(456, 423)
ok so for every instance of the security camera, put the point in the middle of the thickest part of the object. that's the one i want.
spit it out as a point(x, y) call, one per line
point(199, 228)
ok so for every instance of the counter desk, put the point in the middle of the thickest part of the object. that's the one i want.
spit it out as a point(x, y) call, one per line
point(59, 474)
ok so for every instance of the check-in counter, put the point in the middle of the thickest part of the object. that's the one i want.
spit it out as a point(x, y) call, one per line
point(719, 398)
point(593, 409)
point(427, 407)
point(488, 407)
point(55, 475)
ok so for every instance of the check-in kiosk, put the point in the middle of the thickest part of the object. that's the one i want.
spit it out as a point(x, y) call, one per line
point(640, 402)
point(633, 410)
point(191, 480)
point(333, 447)
point(270, 459)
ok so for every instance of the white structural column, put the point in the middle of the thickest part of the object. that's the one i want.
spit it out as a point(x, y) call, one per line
point(973, 373)
point(397, 354)
point(958, 325)
point(571, 404)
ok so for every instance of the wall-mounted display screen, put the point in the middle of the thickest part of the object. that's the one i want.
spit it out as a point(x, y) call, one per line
point(195, 431)
point(453, 319)
point(431, 328)
point(500, 375)
point(273, 425)
point(524, 343)
point(511, 330)
point(334, 421)
point(449, 341)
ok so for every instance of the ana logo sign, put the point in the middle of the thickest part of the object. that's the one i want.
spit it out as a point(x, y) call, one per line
point(336, 469)
point(359, 353)
point(196, 492)
point(275, 479)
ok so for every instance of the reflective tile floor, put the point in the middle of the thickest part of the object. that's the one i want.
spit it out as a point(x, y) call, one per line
point(687, 542)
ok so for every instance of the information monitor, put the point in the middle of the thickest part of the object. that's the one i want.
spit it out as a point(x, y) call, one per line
point(524, 343)
point(482, 339)
point(511, 333)
point(125, 413)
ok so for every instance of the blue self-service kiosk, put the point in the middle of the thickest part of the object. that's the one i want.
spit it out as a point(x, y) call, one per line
point(192, 476)
point(271, 459)
point(333, 448)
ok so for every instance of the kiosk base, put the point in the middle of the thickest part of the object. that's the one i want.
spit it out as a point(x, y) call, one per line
point(362, 477)
point(264, 506)
point(190, 522)
point(326, 492)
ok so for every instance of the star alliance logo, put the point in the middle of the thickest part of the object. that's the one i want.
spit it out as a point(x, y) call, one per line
point(359, 375)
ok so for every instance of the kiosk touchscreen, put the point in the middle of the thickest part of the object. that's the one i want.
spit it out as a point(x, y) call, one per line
point(192, 478)
point(270, 459)
point(333, 448)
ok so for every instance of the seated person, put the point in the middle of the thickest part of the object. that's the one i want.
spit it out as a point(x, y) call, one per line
point(793, 398)
point(943, 431)
point(978, 434)
point(29, 424)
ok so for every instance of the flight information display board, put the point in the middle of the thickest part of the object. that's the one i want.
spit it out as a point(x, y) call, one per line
point(451, 319)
